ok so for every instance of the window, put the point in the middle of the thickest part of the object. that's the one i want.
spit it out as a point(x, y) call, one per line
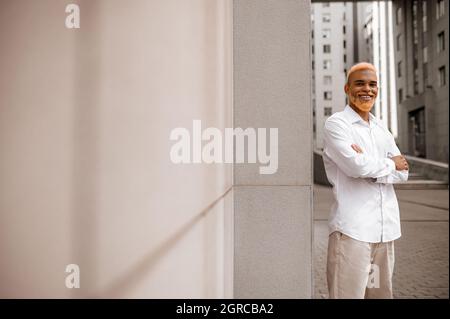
point(399, 15)
point(399, 69)
point(440, 9)
point(327, 111)
point(327, 48)
point(442, 76)
point(368, 28)
point(327, 95)
point(424, 16)
point(327, 80)
point(326, 33)
point(425, 75)
point(417, 132)
point(326, 64)
point(326, 17)
point(416, 81)
point(400, 96)
point(313, 65)
point(344, 44)
point(325, 4)
point(399, 42)
point(345, 58)
point(424, 39)
point(344, 29)
point(425, 55)
point(415, 30)
point(441, 42)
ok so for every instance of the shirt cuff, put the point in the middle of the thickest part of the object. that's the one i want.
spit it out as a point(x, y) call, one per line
point(383, 180)
point(390, 163)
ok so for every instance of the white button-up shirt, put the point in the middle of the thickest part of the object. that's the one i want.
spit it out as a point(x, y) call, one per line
point(365, 206)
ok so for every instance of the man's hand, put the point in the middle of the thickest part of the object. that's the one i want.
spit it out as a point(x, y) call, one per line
point(400, 163)
point(357, 148)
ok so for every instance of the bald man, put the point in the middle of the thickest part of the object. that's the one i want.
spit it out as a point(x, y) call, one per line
point(362, 162)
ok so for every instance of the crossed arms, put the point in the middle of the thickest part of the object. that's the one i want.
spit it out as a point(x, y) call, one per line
point(350, 158)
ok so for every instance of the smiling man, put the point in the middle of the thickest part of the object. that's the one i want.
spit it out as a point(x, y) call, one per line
point(362, 162)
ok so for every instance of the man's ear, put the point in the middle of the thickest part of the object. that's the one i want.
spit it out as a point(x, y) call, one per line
point(346, 88)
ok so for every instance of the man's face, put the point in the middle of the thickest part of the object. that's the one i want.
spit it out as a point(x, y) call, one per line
point(362, 89)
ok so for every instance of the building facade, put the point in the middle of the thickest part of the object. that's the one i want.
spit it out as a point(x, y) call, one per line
point(421, 63)
point(374, 43)
point(332, 55)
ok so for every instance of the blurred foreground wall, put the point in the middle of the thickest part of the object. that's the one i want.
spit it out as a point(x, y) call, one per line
point(86, 176)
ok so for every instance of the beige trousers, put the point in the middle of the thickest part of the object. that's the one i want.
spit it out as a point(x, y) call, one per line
point(357, 269)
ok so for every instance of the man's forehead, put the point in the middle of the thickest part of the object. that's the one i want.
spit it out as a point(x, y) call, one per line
point(363, 75)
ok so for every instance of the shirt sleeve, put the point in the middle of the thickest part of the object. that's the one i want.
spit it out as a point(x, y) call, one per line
point(395, 176)
point(338, 147)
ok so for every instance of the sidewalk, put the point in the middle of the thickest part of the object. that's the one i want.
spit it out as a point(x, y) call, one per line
point(421, 254)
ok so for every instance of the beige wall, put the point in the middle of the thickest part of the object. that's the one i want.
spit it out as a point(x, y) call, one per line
point(86, 177)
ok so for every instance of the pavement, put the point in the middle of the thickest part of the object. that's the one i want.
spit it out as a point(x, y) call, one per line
point(421, 254)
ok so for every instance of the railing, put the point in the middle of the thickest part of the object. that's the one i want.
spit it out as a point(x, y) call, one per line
point(428, 168)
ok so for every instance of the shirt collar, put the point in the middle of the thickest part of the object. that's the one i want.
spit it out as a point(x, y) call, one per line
point(354, 117)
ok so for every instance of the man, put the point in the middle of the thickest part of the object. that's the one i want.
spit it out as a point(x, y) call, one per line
point(362, 162)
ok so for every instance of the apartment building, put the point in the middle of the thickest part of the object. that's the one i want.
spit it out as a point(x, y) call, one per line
point(421, 60)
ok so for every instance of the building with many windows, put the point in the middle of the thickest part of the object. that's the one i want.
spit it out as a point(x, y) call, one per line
point(332, 55)
point(421, 60)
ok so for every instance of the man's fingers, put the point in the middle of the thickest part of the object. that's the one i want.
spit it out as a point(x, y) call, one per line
point(357, 148)
point(405, 163)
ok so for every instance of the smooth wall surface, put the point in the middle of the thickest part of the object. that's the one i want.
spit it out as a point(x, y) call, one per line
point(86, 176)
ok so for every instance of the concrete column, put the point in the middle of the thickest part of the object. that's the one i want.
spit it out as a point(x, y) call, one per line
point(273, 213)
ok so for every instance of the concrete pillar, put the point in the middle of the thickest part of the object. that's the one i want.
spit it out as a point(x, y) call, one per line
point(273, 213)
